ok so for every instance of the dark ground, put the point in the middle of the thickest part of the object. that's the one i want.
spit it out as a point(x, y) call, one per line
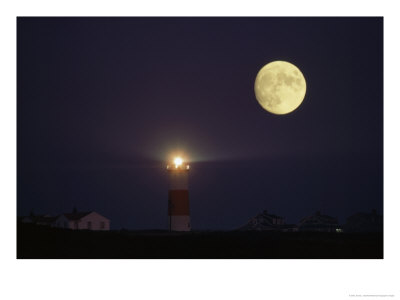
point(44, 242)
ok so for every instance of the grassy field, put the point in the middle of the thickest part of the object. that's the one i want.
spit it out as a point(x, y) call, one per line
point(45, 242)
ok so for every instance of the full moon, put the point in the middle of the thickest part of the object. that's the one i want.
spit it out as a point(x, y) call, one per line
point(280, 87)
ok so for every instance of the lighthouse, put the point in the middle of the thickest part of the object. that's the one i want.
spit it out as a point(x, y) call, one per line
point(178, 196)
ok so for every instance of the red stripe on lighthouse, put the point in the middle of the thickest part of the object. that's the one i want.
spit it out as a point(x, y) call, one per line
point(178, 203)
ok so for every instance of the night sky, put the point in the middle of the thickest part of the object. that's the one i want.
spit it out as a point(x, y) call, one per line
point(103, 103)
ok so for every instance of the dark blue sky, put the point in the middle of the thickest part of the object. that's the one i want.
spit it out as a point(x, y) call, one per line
point(103, 102)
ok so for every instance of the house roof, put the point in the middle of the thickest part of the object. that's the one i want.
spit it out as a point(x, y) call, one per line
point(266, 214)
point(76, 215)
point(366, 216)
point(263, 221)
point(41, 219)
point(45, 219)
point(317, 219)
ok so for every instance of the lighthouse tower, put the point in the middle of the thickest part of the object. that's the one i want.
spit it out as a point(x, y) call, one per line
point(178, 196)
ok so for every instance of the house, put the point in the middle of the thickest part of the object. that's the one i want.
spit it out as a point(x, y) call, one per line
point(45, 220)
point(76, 220)
point(319, 222)
point(364, 222)
point(82, 220)
point(265, 221)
